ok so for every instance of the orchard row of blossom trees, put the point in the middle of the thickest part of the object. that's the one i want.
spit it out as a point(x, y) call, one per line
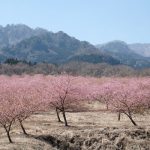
point(21, 96)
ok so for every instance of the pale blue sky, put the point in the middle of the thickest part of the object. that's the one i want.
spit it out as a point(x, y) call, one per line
point(96, 21)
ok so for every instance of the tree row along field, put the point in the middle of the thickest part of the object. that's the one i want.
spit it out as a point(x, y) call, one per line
point(22, 96)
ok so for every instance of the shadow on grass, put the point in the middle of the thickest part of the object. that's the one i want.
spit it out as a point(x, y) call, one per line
point(53, 141)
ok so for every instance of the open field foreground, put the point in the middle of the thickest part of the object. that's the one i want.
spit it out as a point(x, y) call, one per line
point(87, 131)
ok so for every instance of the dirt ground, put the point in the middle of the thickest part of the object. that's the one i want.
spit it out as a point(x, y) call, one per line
point(87, 131)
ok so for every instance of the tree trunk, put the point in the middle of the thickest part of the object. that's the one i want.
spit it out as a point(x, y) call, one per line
point(119, 116)
point(58, 117)
point(9, 138)
point(8, 135)
point(64, 116)
point(22, 127)
point(130, 117)
point(107, 107)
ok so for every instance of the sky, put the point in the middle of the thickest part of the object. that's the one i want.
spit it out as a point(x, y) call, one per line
point(96, 21)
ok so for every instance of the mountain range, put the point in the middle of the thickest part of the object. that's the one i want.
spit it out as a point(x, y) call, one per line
point(40, 45)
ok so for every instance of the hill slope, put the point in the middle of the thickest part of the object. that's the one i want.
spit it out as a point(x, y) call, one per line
point(141, 49)
point(121, 51)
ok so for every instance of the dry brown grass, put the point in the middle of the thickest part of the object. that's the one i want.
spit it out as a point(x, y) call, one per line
point(84, 124)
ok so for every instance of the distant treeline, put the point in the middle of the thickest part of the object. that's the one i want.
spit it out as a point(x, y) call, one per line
point(14, 66)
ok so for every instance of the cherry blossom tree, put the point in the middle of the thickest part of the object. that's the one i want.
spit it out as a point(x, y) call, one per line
point(8, 111)
point(20, 97)
point(66, 91)
point(128, 97)
point(30, 95)
point(122, 95)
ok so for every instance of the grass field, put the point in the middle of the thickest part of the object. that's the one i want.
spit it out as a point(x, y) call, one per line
point(87, 130)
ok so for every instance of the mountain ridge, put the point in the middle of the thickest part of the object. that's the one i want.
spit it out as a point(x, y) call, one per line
point(50, 47)
point(40, 45)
